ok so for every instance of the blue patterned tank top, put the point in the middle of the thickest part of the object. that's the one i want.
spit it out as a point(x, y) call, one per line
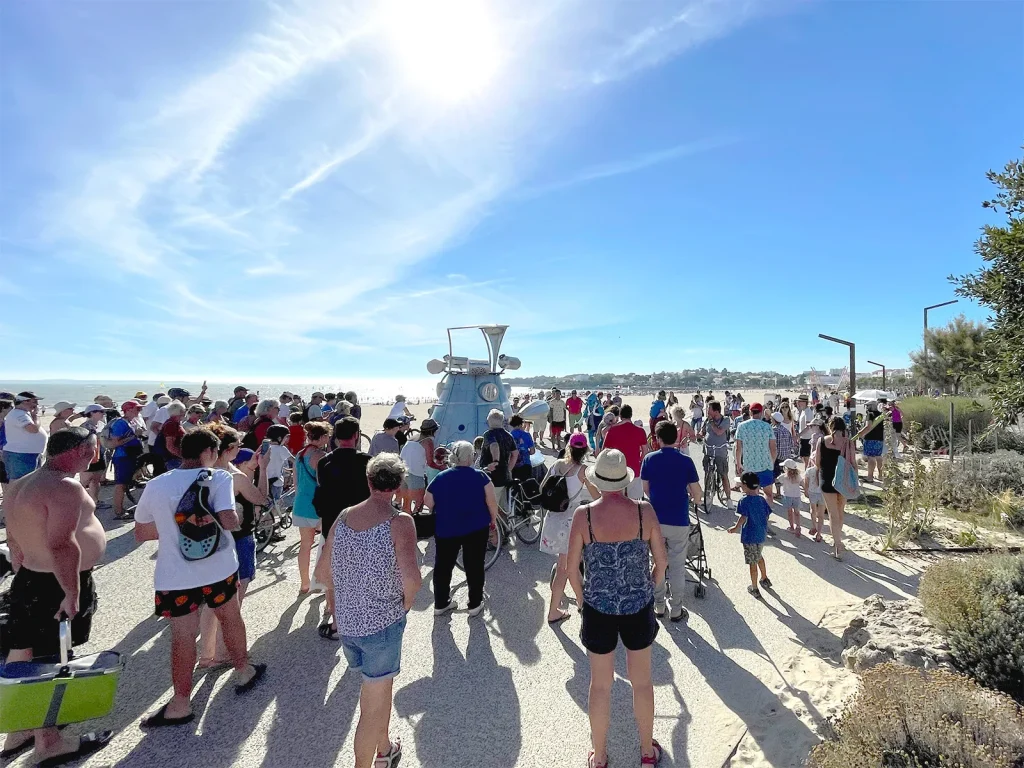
point(618, 577)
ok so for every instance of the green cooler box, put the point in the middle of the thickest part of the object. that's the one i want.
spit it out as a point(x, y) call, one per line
point(42, 695)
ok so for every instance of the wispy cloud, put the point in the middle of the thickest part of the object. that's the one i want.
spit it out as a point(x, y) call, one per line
point(297, 181)
point(628, 165)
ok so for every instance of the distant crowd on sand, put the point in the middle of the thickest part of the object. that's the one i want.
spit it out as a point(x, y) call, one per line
point(615, 511)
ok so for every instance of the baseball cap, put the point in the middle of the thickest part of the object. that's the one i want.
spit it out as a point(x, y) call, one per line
point(577, 441)
point(756, 407)
point(391, 423)
point(21, 397)
point(93, 408)
point(128, 404)
point(197, 408)
point(62, 405)
point(240, 388)
point(779, 418)
point(244, 454)
point(791, 464)
point(750, 480)
point(163, 400)
point(140, 395)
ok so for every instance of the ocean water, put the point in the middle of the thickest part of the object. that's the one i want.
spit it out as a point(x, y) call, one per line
point(82, 392)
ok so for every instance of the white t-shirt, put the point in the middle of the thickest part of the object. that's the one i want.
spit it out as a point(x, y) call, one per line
point(791, 489)
point(20, 441)
point(813, 482)
point(398, 409)
point(696, 412)
point(807, 430)
point(279, 458)
point(415, 458)
point(158, 504)
point(159, 417)
point(148, 410)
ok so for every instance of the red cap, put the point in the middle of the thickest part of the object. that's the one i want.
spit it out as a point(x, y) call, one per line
point(756, 407)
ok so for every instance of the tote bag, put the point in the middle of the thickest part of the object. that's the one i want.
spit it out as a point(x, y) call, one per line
point(846, 481)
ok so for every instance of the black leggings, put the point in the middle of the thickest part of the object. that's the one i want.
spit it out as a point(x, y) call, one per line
point(474, 548)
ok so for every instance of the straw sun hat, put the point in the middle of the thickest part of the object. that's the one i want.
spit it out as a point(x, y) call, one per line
point(610, 473)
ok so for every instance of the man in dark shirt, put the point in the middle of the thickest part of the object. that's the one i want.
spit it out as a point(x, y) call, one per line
point(341, 483)
point(341, 475)
point(500, 454)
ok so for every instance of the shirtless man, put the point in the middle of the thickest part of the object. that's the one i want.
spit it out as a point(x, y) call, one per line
point(55, 542)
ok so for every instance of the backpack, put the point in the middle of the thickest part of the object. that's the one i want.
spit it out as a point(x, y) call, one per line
point(107, 440)
point(554, 494)
point(198, 529)
point(250, 441)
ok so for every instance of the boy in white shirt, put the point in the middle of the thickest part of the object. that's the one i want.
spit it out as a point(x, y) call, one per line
point(280, 456)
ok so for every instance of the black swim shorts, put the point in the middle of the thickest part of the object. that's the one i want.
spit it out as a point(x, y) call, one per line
point(600, 632)
point(172, 604)
point(35, 601)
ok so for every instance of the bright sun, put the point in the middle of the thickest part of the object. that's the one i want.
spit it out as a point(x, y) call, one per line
point(446, 48)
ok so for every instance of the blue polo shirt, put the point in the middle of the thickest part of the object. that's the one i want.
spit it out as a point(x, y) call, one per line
point(668, 473)
point(240, 414)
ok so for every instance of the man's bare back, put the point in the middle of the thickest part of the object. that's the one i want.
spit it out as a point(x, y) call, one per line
point(37, 506)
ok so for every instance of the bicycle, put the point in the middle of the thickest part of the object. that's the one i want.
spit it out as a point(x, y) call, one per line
point(714, 483)
point(525, 520)
point(269, 521)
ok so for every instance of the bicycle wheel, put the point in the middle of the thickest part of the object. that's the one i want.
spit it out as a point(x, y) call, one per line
point(721, 489)
point(364, 442)
point(263, 529)
point(528, 525)
point(710, 475)
point(490, 555)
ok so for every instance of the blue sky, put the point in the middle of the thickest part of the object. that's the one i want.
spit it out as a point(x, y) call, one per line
point(305, 189)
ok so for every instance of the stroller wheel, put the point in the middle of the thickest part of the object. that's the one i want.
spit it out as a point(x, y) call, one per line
point(699, 591)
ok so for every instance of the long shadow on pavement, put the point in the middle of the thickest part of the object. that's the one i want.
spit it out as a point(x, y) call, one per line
point(740, 690)
point(473, 693)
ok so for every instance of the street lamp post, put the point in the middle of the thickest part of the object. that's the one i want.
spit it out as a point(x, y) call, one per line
point(853, 360)
point(925, 337)
point(872, 362)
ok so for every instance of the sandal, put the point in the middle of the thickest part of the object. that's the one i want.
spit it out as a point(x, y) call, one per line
point(161, 720)
point(391, 758)
point(655, 758)
point(88, 743)
point(327, 631)
point(592, 763)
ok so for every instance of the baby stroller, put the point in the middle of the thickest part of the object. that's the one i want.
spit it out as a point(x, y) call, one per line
point(696, 557)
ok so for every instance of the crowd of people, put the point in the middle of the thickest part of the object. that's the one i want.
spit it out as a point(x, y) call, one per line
point(619, 539)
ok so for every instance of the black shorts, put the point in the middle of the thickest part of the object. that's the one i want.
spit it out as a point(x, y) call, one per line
point(35, 601)
point(600, 632)
point(525, 472)
point(897, 426)
point(3, 473)
point(174, 603)
point(805, 448)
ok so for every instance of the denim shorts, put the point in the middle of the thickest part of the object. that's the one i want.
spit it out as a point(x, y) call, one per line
point(377, 656)
point(246, 549)
point(19, 464)
point(815, 498)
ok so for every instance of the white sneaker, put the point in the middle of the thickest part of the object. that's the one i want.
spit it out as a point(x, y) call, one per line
point(478, 610)
point(659, 608)
point(450, 607)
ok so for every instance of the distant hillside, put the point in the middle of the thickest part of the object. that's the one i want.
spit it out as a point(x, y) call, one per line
point(700, 378)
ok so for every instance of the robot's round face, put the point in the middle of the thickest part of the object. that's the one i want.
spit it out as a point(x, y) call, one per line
point(489, 392)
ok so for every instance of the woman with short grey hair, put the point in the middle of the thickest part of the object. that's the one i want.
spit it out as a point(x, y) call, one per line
point(264, 417)
point(372, 560)
point(465, 507)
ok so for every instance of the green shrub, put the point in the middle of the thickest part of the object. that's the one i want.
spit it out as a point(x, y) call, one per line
point(978, 603)
point(905, 717)
point(971, 425)
point(992, 486)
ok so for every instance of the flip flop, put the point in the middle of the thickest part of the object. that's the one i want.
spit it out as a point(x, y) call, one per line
point(592, 762)
point(656, 757)
point(88, 743)
point(565, 615)
point(161, 720)
point(28, 743)
point(261, 670)
point(327, 631)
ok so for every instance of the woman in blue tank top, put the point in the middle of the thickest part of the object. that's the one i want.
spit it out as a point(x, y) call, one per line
point(614, 538)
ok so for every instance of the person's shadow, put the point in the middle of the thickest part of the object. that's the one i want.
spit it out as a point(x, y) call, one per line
point(745, 694)
point(472, 696)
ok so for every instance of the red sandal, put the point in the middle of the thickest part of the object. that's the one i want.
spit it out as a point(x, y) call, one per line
point(592, 763)
point(655, 758)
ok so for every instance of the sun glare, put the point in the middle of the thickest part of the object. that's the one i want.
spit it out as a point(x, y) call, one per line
point(447, 49)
